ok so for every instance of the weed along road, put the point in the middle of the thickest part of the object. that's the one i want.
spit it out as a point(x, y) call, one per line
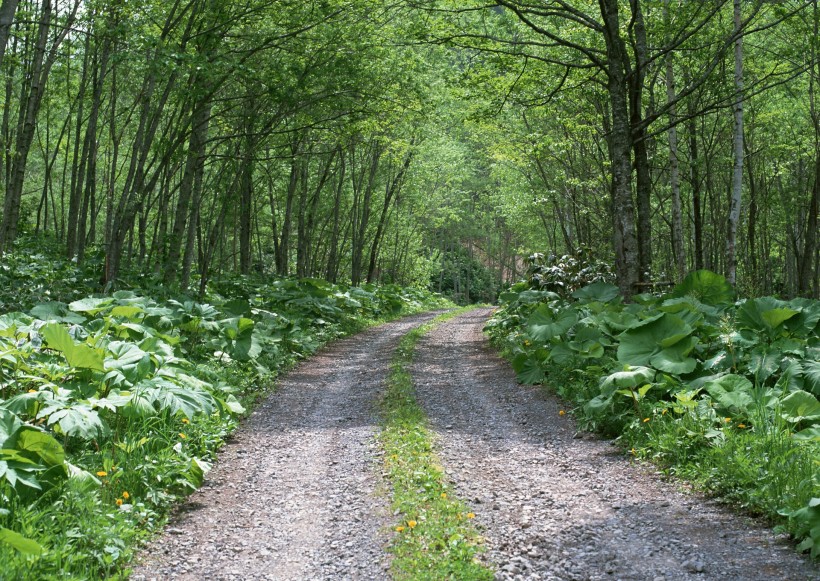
point(300, 492)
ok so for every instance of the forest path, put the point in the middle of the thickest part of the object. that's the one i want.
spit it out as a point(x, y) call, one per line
point(295, 493)
point(555, 506)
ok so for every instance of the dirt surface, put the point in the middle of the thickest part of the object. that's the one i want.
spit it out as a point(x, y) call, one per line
point(293, 495)
point(555, 506)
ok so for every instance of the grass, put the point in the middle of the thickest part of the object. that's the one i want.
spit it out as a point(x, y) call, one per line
point(435, 537)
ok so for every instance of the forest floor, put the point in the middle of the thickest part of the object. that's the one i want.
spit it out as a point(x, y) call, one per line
point(298, 492)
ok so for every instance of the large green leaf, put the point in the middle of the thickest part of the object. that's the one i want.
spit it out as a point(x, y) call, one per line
point(528, 369)
point(764, 314)
point(800, 406)
point(78, 355)
point(41, 445)
point(706, 286)
point(675, 358)
point(78, 420)
point(628, 378)
point(166, 395)
point(19, 542)
point(663, 341)
point(91, 305)
point(544, 323)
point(599, 291)
point(732, 393)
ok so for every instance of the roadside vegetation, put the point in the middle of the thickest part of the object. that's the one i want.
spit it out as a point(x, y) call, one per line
point(718, 390)
point(435, 537)
point(113, 407)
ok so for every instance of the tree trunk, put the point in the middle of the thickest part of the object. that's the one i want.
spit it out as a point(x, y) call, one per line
point(392, 190)
point(737, 172)
point(639, 142)
point(620, 146)
point(7, 10)
point(674, 169)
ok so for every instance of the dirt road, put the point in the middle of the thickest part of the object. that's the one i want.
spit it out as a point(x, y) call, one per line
point(298, 494)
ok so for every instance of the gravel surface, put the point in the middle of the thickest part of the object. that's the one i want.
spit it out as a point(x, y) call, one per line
point(295, 494)
point(556, 506)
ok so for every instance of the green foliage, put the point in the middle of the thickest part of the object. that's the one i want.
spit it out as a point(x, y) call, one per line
point(686, 379)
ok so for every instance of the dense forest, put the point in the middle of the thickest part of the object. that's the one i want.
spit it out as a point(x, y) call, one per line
point(414, 142)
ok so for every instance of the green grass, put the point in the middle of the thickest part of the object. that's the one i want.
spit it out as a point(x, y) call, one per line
point(434, 537)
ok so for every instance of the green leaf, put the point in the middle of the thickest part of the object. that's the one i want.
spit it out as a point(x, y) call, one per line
point(706, 286)
point(80, 421)
point(528, 369)
point(732, 393)
point(544, 323)
point(629, 378)
point(599, 291)
point(764, 314)
point(126, 311)
point(42, 445)
point(78, 356)
point(19, 542)
point(675, 359)
point(800, 406)
point(91, 305)
point(662, 341)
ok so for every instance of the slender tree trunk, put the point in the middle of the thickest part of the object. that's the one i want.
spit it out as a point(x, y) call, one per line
point(7, 10)
point(333, 257)
point(674, 170)
point(737, 172)
point(643, 173)
point(620, 146)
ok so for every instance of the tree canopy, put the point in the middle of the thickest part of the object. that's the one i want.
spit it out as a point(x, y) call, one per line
point(425, 142)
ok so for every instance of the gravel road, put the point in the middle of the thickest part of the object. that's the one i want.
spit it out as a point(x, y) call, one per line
point(295, 495)
point(555, 506)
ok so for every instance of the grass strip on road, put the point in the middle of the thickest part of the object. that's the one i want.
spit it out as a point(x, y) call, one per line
point(435, 537)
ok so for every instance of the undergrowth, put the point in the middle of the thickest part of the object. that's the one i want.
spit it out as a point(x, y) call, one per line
point(435, 538)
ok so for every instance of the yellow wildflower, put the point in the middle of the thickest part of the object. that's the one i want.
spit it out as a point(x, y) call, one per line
point(664, 411)
point(185, 421)
point(562, 413)
point(32, 391)
point(727, 420)
point(119, 502)
point(102, 473)
point(470, 515)
point(399, 529)
point(125, 495)
point(443, 495)
point(412, 524)
point(741, 426)
point(645, 420)
point(183, 436)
